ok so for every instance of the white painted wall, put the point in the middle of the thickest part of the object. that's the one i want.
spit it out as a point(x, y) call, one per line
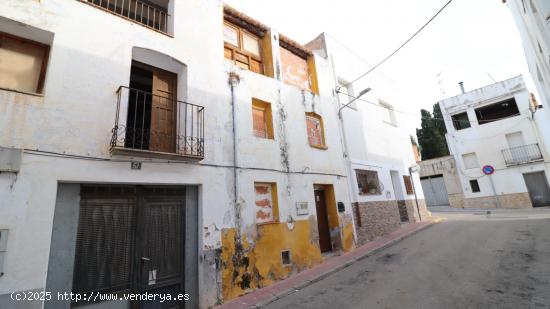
point(488, 140)
point(90, 58)
point(373, 143)
point(531, 18)
point(445, 166)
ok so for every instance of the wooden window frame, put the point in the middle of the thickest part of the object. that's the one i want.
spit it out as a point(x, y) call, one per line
point(408, 184)
point(42, 75)
point(240, 49)
point(323, 145)
point(274, 201)
point(268, 117)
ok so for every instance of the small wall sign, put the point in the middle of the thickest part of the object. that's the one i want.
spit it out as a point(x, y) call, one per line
point(302, 208)
point(488, 169)
point(136, 165)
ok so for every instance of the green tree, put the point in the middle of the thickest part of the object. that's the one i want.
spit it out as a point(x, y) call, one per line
point(431, 135)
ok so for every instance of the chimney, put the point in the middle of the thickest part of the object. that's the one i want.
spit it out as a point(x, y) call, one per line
point(462, 87)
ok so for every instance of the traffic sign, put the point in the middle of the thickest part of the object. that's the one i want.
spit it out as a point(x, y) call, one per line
point(488, 169)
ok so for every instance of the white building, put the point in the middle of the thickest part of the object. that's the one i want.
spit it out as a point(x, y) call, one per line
point(440, 182)
point(377, 143)
point(532, 18)
point(495, 125)
point(137, 158)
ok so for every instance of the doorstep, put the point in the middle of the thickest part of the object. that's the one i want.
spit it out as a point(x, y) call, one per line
point(271, 293)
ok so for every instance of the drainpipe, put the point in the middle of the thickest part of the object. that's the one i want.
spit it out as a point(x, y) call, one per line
point(233, 82)
point(415, 196)
point(351, 188)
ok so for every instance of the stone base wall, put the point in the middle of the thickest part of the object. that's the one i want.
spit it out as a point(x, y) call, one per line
point(404, 212)
point(456, 200)
point(413, 211)
point(517, 200)
point(375, 219)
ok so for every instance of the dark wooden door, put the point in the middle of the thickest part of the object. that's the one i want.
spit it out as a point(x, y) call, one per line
point(160, 246)
point(322, 221)
point(538, 189)
point(163, 111)
point(131, 239)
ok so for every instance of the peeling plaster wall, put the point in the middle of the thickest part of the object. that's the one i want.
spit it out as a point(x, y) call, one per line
point(76, 115)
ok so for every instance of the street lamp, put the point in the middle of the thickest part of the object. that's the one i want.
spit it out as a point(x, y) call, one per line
point(363, 92)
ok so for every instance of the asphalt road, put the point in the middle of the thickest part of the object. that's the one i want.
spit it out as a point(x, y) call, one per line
point(500, 260)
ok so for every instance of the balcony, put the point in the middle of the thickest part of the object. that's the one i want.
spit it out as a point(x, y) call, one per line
point(149, 125)
point(152, 14)
point(522, 154)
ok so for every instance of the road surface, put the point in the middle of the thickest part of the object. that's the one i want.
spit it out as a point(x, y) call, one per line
point(470, 260)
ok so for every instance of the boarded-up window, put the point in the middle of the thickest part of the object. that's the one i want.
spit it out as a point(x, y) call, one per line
point(408, 185)
point(295, 69)
point(266, 202)
point(22, 64)
point(368, 182)
point(315, 130)
point(242, 47)
point(262, 122)
point(470, 160)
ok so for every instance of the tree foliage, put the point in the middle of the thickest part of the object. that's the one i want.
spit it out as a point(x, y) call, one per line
point(431, 136)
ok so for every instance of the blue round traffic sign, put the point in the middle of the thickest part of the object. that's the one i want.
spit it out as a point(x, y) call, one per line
point(488, 169)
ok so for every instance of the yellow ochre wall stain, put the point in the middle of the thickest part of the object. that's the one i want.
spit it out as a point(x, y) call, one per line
point(347, 237)
point(247, 266)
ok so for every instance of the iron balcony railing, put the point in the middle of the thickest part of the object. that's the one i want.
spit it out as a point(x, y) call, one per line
point(149, 122)
point(143, 12)
point(522, 154)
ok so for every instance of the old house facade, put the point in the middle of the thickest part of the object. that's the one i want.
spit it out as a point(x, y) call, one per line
point(497, 126)
point(178, 147)
point(141, 155)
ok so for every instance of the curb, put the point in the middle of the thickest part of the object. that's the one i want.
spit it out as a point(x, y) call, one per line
point(322, 276)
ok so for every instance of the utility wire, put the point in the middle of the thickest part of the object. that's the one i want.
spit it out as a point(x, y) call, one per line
point(402, 45)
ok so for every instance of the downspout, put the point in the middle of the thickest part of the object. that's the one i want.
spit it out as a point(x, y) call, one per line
point(415, 196)
point(351, 191)
point(233, 82)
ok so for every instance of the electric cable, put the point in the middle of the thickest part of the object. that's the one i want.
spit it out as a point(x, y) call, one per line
point(402, 45)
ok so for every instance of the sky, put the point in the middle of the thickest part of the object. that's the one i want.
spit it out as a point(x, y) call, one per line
point(472, 41)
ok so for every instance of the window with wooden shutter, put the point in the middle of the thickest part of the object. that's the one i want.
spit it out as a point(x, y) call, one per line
point(22, 64)
point(408, 185)
point(243, 47)
point(262, 122)
point(315, 130)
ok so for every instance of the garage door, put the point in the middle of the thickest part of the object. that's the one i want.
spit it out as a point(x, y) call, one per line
point(435, 191)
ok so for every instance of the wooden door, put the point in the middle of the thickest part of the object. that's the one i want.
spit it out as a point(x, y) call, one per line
point(538, 188)
point(160, 248)
point(322, 221)
point(163, 111)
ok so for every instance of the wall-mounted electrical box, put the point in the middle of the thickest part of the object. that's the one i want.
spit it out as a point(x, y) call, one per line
point(3, 249)
point(341, 207)
point(10, 159)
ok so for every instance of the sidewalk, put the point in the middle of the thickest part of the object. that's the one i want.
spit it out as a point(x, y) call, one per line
point(329, 266)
